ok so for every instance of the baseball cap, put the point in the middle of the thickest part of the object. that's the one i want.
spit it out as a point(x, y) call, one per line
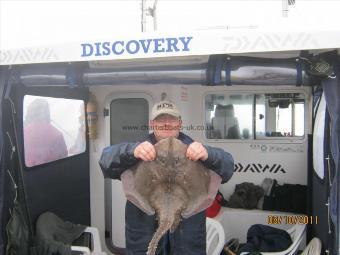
point(164, 107)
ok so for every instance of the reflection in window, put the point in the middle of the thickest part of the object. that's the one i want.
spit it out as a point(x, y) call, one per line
point(54, 128)
point(279, 115)
point(229, 116)
point(299, 117)
point(284, 120)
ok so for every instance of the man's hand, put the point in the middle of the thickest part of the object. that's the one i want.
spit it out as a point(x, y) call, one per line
point(196, 151)
point(145, 151)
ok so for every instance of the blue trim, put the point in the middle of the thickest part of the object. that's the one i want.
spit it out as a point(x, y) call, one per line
point(71, 75)
point(218, 71)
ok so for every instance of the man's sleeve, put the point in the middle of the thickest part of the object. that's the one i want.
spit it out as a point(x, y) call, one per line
point(219, 161)
point(117, 158)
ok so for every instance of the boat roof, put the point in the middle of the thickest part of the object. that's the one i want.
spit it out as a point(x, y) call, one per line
point(156, 45)
point(37, 32)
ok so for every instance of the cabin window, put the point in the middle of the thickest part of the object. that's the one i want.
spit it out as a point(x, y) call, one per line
point(53, 128)
point(254, 116)
point(129, 119)
point(279, 115)
point(229, 116)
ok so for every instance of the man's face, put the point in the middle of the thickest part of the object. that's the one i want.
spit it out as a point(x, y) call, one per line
point(165, 126)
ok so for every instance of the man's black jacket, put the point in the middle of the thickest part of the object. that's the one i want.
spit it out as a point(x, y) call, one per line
point(190, 236)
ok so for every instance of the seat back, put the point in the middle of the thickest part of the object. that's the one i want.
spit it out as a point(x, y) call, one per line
point(296, 232)
point(219, 123)
point(313, 248)
point(215, 237)
point(224, 123)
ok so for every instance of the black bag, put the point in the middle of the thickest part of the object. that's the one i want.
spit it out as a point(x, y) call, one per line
point(262, 238)
point(246, 195)
point(287, 198)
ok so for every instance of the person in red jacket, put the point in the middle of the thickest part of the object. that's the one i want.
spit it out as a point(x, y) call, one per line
point(42, 141)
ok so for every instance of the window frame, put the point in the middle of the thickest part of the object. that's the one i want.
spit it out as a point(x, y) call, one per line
point(252, 138)
point(148, 110)
point(122, 95)
point(292, 119)
point(23, 135)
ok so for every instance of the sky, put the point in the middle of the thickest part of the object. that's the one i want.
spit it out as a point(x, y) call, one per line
point(34, 23)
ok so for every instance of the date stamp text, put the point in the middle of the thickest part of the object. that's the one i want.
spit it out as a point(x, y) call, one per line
point(292, 219)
